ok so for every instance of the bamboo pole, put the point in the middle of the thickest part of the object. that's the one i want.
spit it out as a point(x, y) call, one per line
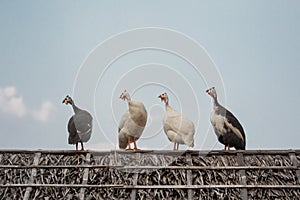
point(189, 176)
point(122, 167)
point(135, 181)
point(167, 152)
point(122, 186)
point(243, 181)
point(33, 175)
point(296, 163)
point(85, 176)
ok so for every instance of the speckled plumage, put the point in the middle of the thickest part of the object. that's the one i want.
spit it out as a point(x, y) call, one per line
point(80, 125)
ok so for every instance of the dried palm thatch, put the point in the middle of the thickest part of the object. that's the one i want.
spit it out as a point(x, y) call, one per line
point(149, 175)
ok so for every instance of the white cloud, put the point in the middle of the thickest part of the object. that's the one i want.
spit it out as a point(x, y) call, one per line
point(16, 105)
point(10, 103)
point(9, 91)
point(13, 104)
point(43, 113)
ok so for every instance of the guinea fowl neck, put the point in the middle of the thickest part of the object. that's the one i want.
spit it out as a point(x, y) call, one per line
point(75, 108)
point(216, 103)
point(128, 100)
point(167, 103)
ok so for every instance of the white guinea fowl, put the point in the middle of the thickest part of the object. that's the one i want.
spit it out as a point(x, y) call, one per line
point(132, 123)
point(178, 128)
point(226, 126)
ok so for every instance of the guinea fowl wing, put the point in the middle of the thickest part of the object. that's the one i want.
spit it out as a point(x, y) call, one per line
point(123, 120)
point(83, 122)
point(178, 123)
point(138, 113)
point(73, 135)
point(234, 125)
point(121, 130)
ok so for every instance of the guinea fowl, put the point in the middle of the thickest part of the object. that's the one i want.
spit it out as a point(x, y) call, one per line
point(132, 123)
point(79, 125)
point(226, 126)
point(178, 128)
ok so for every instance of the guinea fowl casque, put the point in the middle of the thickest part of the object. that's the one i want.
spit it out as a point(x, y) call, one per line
point(178, 128)
point(132, 123)
point(226, 126)
point(80, 124)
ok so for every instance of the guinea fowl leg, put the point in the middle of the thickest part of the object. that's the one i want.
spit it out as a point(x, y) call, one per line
point(134, 142)
point(128, 142)
point(177, 147)
point(228, 147)
point(82, 149)
point(224, 147)
point(174, 146)
point(76, 146)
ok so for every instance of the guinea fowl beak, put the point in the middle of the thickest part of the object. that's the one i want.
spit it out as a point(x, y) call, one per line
point(207, 91)
point(161, 98)
point(65, 101)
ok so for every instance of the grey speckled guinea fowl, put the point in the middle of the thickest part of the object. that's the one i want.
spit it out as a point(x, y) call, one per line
point(80, 125)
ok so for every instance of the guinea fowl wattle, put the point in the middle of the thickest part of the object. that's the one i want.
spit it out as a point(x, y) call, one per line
point(226, 126)
point(80, 124)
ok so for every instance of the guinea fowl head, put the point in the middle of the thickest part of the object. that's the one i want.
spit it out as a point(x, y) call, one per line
point(164, 97)
point(125, 96)
point(67, 100)
point(212, 92)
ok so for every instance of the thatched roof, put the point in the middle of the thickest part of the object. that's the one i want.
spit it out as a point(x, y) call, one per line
point(150, 175)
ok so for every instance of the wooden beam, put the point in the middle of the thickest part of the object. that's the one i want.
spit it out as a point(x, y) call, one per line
point(189, 176)
point(32, 177)
point(135, 179)
point(243, 180)
point(155, 186)
point(85, 176)
point(296, 163)
point(122, 167)
point(167, 152)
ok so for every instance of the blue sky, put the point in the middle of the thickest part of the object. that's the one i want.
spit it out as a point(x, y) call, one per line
point(253, 44)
